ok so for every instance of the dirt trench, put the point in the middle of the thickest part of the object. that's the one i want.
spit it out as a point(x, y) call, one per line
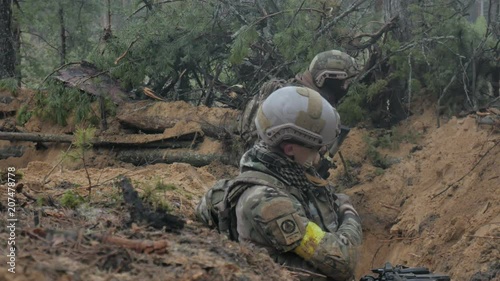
point(436, 206)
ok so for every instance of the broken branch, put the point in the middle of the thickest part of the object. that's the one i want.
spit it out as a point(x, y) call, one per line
point(140, 246)
point(335, 20)
point(126, 51)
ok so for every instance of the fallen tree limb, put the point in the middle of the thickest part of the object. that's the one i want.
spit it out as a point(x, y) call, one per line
point(140, 246)
point(135, 140)
point(169, 156)
point(157, 116)
point(56, 236)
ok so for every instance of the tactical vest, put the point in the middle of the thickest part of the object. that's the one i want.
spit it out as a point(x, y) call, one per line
point(222, 198)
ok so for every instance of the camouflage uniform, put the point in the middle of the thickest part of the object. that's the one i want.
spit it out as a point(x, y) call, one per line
point(292, 214)
point(334, 65)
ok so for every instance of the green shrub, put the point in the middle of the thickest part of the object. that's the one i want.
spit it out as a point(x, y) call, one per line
point(71, 199)
point(374, 155)
point(10, 85)
point(56, 103)
point(23, 115)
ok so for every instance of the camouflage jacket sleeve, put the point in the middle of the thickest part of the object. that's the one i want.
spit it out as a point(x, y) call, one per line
point(274, 219)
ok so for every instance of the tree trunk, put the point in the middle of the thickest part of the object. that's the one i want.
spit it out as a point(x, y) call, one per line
point(7, 52)
point(63, 36)
point(399, 8)
point(168, 156)
point(16, 37)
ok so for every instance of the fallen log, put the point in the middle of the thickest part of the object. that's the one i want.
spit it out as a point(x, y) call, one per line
point(147, 116)
point(35, 137)
point(169, 156)
point(126, 141)
point(57, 236)
point(133, 140)
point(140, 246)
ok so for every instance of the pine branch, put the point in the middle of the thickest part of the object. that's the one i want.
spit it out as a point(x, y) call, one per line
point(150, 8)
point(295, 15)
point(391, 24)
point(44, 40)
point(335, 20)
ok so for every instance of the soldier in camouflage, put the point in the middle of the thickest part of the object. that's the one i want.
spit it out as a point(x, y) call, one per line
point(278, 202)
point(329, 74)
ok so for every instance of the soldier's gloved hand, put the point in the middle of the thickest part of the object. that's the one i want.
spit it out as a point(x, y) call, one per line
point(346, 209)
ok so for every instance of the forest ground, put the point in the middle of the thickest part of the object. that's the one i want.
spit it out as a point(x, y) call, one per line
point(437, 206)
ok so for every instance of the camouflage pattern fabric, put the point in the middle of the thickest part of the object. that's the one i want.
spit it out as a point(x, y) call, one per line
point(333, 60)
point(283, 220)
point(325, 62)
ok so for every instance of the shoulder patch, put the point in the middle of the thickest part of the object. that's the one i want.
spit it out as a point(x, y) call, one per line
point(289, 229)
point(280, 223)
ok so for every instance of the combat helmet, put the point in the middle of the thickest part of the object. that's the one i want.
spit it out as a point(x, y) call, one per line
point(297, 114)
point(332, 64)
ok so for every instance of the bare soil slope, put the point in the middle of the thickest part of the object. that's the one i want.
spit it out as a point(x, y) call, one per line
point(437, 206)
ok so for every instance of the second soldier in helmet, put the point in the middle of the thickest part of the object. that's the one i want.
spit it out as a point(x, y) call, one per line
point(329, 74)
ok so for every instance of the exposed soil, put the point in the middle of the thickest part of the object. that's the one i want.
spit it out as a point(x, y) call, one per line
point(437, 206)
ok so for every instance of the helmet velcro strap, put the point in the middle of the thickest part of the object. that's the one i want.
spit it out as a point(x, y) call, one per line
point(261, 118)
point(310, 120)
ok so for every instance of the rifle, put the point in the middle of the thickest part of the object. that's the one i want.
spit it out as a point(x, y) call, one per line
point(326, 161)
point(344, 131)
point(403, 273)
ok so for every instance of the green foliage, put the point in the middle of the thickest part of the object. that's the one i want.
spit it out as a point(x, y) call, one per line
point(373, 154)
point(351, 109)
point(57, 102)
point(241, 45)
point(10, 85)
point(5, 176)
point(379, 171)
point(155, 195)
point(177, 48)
point(23, 115)
point(40, 201)
point(375, 89)
point(82, 143)
point(442, 47)
point(391, 139)
point(161, 186)
point(41, 37)
point(71, 199)
point(110, 107)
point(480, 26)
